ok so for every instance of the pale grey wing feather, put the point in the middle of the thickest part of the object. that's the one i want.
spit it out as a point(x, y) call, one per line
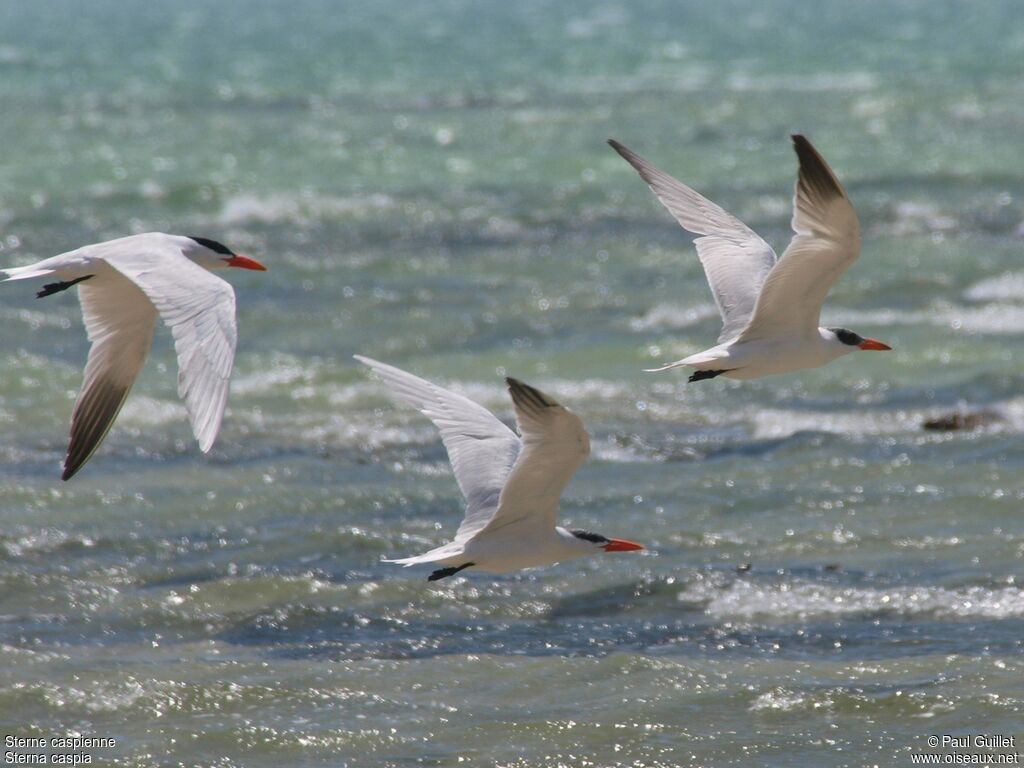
point(555, 445)
point(199, 308)
point(119, 320)
point(735, 292)
point(826, 242)
point(482, 450)
point(736, 260)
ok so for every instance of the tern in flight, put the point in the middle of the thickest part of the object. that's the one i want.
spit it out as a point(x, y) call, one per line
point(123, 285)
point(770, 306)
point(512, 484)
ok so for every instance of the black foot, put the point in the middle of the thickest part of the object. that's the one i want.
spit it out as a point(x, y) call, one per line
point(444, 573)
point(701, 375)
point(51, 288)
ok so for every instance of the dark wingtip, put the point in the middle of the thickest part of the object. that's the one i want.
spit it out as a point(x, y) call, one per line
point(73, 463)
point(804, 148)
point(525, 394)
point(514, 383)
point(95, 411)
point(622, 149)
point(647, 172)
point(803, 145)
point(74, 460)
point(809, 156)
point(814, 171)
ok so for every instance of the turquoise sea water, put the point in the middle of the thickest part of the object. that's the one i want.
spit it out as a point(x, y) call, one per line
point(429, 185)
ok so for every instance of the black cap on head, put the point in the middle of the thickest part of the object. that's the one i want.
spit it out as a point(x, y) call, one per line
point(849, 338)
point(597, 538)
point(213, 245)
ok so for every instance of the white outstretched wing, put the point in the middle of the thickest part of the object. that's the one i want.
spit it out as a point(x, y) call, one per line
point(119, 320)
point(199, 308)
point(555, 445)
point(736, 260)
point(481, 449)
point(825, 243)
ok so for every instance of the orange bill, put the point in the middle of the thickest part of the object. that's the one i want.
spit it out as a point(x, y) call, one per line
point(621, 545)
point(871, 344)
point(244, 262)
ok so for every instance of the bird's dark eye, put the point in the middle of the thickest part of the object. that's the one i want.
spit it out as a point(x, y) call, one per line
point(213, 245)
point(597, 538)
point(847, 337)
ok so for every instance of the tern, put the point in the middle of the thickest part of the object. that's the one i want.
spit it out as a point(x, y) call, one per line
point(770, 306)
point(512, 485)
point(123, 285)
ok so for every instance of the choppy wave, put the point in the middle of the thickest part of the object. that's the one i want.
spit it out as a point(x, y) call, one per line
point(916, 218)
point(35, 319)
point(430, 195)
point(1005, 287)
point(997, 317)
point(818, 82)
point(774, 423)
point(300, 208)
point(144, 411)
point(672, 316)
point(802, 600)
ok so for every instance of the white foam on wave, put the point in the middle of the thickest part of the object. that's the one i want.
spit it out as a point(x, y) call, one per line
point(287, 374)
point(345, 431)
point(144, 411)
point(34, 318)
point(100, 696)
point(276, 209)
point(43, 540)
point(818, 82)
point(847, 316)
point(571, 393)
point(779, 700)
point(993, 318)
point(672, 316)
point(395, 423)
point(916, 218)
point(618, 453)
point(776, 423)
point(1006, 287)
point(801, 600)
point(1012, 410)
point(997, 318)
point(601, 18)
